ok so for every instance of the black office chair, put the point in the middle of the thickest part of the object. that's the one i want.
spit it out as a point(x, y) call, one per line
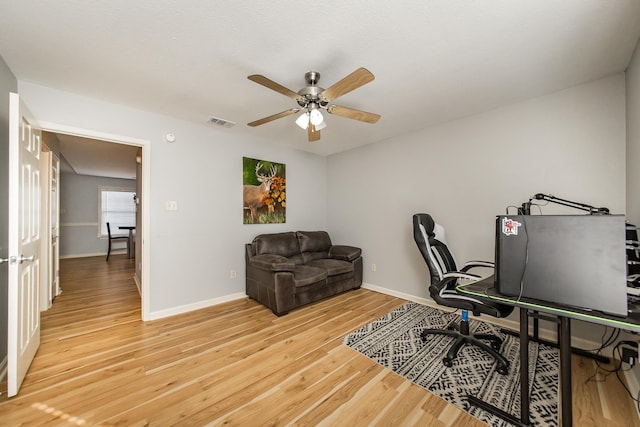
point(429, 237)
point(111, 238)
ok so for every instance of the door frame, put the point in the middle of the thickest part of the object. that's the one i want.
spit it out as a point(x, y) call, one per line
point(49, 278)
point(145, 284)
point(45, 228)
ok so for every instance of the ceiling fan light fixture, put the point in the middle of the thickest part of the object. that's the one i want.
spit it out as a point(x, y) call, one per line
point(303, 120)
point(311, 98)
point(315, 117)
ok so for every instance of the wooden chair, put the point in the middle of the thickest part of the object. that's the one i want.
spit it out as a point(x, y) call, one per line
point(125, 238)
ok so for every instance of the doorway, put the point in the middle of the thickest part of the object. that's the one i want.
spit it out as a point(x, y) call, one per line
point(83, 142)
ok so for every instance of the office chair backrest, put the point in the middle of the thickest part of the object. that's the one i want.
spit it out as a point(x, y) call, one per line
point(432, 244)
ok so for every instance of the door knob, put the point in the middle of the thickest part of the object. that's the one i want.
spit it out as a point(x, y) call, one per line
point(20, 259)
point(3, 260)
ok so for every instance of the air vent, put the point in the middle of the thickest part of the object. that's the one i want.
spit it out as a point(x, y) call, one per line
point(221, 122)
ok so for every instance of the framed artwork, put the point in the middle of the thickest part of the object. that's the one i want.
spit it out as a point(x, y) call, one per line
point(264, 196)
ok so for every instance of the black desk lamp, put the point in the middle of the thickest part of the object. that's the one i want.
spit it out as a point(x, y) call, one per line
point(526, 206)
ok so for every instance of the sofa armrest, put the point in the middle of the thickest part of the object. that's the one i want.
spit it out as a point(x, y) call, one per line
point(345, 253)
point(272, 262)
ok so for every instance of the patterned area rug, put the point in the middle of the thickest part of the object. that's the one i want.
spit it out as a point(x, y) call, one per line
point(394, 342)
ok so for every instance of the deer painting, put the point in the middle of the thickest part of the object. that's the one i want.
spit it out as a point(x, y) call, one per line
point(254, 196)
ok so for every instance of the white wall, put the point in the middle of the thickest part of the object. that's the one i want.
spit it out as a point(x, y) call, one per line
point(570, 144)
point(193, 250)
point(79, 214)
point(633, 138)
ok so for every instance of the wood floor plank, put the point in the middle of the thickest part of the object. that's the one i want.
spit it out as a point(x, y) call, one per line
point(234, 364)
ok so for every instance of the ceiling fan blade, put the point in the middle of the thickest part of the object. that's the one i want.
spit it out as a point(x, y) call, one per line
point(273, 117)
point(314, 134)
point(359, 77)
point(350, 113)
point(262, 80)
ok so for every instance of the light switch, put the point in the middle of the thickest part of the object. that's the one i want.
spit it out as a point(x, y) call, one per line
point(172, 205)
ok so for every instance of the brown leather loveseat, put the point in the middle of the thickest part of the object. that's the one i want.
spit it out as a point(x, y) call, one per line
point(288, 270)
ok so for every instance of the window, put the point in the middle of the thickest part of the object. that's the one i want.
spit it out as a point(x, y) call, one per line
point(118, 208)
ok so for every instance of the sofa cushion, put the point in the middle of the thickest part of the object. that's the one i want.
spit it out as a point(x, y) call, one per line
point(283, 244)
point(272, 262)
point(304, 275)
point(314, 241)
point(343, 252)
point(332, 266)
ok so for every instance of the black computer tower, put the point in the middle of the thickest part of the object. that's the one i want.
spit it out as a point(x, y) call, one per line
point(574, 260)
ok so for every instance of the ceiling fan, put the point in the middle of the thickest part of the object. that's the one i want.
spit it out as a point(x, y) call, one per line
point(312, 98)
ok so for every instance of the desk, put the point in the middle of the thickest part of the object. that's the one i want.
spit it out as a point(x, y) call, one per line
point(485, 289)
point(130, 245)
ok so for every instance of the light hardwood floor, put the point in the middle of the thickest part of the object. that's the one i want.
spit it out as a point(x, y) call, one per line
point(232, 364)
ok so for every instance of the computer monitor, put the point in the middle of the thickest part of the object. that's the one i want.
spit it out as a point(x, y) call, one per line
point(574, 260)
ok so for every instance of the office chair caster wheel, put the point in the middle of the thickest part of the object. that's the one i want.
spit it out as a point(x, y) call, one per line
point(496, 345)
point(447, 362)
point(503, 370)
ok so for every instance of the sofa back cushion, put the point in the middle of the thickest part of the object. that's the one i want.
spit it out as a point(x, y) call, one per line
point(314, 244)
point(283, 244)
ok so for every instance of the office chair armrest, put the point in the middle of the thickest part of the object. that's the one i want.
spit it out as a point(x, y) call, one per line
point(478, 263)
point(474, 264)
point(453, 275)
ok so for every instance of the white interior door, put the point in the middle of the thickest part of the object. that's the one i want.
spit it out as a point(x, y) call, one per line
point(24, 243)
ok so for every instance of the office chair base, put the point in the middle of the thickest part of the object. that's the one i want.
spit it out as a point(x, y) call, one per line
point(475, 340)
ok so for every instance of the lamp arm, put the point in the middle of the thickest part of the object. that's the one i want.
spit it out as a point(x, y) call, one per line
point(581, 206)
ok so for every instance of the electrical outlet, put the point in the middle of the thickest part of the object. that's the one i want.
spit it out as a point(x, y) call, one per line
point(374, 267)
point(629, 352)
point(172, 205)
point(233, 274)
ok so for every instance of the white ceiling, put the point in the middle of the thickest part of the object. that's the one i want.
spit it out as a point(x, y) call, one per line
point(434, 60)
point(86, 156)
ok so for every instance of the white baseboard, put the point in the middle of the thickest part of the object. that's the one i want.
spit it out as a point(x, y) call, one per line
point(138, 284)
point(155, 315)
point(514, 325)
point(104, 254)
